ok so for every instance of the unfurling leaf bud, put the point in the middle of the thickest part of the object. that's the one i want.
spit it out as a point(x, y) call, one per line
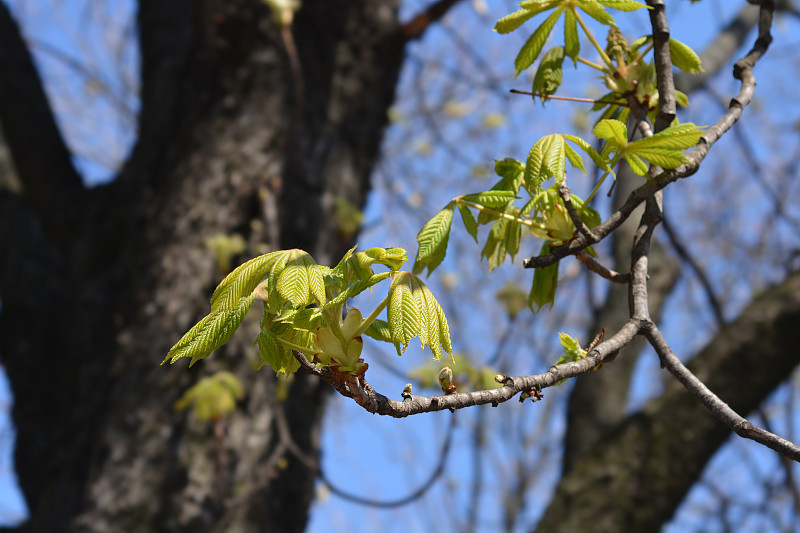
point(500, 378)
point(407, 392)
point(446, 380)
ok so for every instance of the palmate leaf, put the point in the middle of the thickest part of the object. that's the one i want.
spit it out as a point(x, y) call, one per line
point(661, 157)
point(432, 239)
point(214, 330)
point(533, 46)
point(413, 311)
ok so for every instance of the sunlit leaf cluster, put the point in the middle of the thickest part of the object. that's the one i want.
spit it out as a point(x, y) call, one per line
point(306, 310)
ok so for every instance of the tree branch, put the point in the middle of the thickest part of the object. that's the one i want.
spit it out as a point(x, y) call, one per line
point(415, 28)
point(718, 408)
point(743, 71)
point(51, 185)
point(361, 391)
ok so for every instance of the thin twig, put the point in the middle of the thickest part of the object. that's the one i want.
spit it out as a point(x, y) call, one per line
point(602, 270)
point(718, 408)
point(424, 487)
point(360, 390)
point(683, 253)
point(568, 98)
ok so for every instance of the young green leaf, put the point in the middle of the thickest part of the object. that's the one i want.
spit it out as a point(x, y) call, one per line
point(390, 257)
point(413, 311)
point(214, 330)
point(623, 5)
point(243, 280)
point(574, 158)
point(404, 318)
point(493, 198)
point(301, 280)
point(545, 282)
point(597, 159)
point(546, 159)
point(677, 137)
point(432, 240)
point(512, 173)
point(533, 46)
point(379, 330)
point(572, 351)
point(355, 289)
point(469, 221)
point(572, 43)
point(503, 239)
point(548, 76)
point(514, 20)
point(595, 10)
point(636, 164)
point(684, 57)
point(612, 129)
point(271, 352)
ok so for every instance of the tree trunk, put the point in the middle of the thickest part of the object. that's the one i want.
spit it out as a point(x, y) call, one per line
point(97, 284)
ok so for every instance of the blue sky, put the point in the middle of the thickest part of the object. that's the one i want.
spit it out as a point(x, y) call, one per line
point(370, 455)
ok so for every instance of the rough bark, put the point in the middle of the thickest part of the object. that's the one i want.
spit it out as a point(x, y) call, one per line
point(97, 284)
point(634, 479)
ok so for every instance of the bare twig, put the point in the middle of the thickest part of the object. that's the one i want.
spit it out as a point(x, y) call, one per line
point(720, 409)
point(708, 290)
point(568, 98)
point(360, 390)
point(426, 485)
point(602, 270)
point(563, 192)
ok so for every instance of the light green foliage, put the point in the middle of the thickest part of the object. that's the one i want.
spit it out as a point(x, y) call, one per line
point(304, 304)
point(414, 312)
point(662, 149)
point(212, 397)
point(572, 351)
